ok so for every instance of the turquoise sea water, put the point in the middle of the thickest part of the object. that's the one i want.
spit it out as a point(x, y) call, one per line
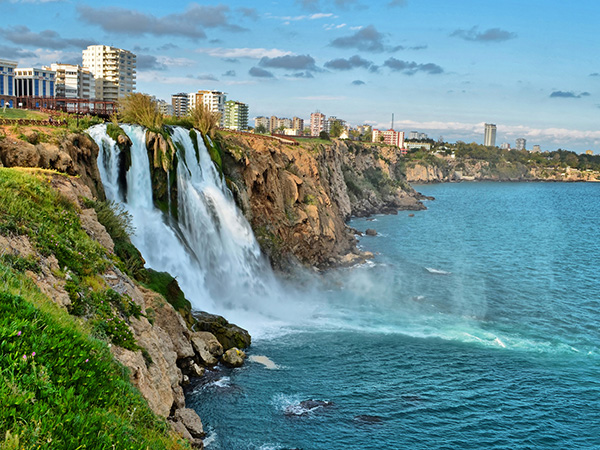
point(476, 327)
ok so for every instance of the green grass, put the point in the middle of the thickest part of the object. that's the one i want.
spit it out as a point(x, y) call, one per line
point(28, 206)
point(12, 113)
point(60, 387)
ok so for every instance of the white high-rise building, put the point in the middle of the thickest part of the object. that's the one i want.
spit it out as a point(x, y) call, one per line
point(214, 100)
point(490, 135)
point(113, 69)
point(73, 81)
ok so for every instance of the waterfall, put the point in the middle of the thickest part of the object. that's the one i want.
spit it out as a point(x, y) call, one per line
point(211, 248)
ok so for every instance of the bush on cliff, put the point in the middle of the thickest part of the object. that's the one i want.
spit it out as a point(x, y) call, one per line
point(140, 109)
point(205, 120)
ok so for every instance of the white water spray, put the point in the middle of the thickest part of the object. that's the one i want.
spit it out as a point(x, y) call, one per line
point(210, 249)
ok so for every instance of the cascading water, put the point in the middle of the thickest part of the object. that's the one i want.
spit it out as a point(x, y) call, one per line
point(210, 249)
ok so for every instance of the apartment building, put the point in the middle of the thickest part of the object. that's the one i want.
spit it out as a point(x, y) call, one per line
point(113, 69)
point(181, 104)
point(262, 121)
point(7, 82)
point(489, 137)
point(236, 115)
point(73, 81)
point(389, 137)
point(34, 82)
point(317, 123)
point(298, 124)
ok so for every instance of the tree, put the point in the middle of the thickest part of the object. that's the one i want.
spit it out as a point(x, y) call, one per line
point(336, 129)
point(140, 109)
point(323, 135)
point(205, 120)
point(261, 129)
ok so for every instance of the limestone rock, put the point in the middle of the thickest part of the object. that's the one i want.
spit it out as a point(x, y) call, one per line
point(207, 347)
point(189, 418)
point(89, 222)
point(234, 357)
point(228, 334)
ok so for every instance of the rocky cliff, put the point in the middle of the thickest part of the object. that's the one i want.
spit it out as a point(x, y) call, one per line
point(153, 340)
point(297, 198)
point(450, 169)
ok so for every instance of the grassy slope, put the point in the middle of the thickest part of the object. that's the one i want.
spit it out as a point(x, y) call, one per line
point(59, 385)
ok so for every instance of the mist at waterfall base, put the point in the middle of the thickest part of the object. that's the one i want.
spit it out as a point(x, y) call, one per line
point(474, 327)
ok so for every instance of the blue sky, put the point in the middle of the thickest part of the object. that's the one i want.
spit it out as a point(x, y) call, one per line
point(442, 67)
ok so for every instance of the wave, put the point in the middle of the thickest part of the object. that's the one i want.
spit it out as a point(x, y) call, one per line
point(437, 271)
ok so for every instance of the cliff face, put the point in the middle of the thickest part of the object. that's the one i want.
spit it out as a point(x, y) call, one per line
point(76, 154)
point(448, 169)
point(297, 198)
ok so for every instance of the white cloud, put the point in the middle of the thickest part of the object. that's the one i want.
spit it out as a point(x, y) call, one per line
point(288, 19)
point(253, 53)
point(333, 26)
point(175, 62)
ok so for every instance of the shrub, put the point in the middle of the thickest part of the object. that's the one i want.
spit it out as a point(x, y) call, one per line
point(140, 109)
point(205, 120)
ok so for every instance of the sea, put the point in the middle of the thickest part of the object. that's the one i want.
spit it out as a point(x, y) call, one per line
point(475, 326)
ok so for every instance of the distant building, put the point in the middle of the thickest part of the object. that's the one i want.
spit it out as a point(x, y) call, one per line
point(73, 81)
point(214, 100)
point(113, 69)
point(364, 129)
point(166, 109)
point(416, 136)
point(505, 146)
point(536, 149)
point(521, 143)
point(331, 120)
point(180, 104)
point(490, 135)
point(262, 121)
point(7, 82)
point(317, 123)
point(389, 137)
point(33, 82)
point(236, 115)
point(589, 152)
point(298, 124)
point(417, 145)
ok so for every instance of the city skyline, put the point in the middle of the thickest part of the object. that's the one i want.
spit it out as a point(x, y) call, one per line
point(443, 69)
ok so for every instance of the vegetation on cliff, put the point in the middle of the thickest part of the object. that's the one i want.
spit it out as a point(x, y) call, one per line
point(60, 385)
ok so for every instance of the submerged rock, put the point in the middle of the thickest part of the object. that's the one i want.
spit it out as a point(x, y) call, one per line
point(370, 232)
point(365, 418)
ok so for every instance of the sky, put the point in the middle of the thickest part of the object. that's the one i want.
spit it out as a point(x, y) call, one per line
point(440, 67)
